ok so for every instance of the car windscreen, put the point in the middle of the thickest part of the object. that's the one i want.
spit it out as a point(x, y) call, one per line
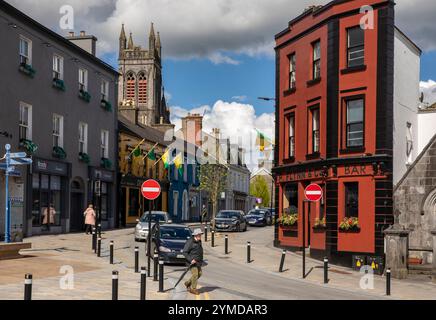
point(257, 213)
point(171, 233)
point(154, 217)
point(228, 215)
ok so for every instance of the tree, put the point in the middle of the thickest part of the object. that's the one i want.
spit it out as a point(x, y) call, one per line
point(259, 189)
point(213, 179)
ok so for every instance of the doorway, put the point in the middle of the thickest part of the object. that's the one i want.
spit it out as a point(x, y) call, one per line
point(77, 222)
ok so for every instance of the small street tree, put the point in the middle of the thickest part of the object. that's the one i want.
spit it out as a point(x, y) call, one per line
point(213, 179)
point(259, 189)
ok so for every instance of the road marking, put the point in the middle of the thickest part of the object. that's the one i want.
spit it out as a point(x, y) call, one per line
point(207, 296)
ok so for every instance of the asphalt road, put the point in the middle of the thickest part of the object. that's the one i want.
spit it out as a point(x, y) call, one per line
point(223, 279)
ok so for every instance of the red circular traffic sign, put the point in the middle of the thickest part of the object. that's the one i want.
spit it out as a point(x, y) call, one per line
point(150, 189)
point(313, 192)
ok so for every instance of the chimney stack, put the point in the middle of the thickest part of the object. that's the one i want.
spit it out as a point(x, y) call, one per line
point(192, 127)
point(84, 41)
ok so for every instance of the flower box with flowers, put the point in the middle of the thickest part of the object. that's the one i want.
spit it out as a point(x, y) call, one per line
point(288, 221)
point(27, 69)
point(320, 225)
point(106, 105)
point(84, 95)
point(350, 225)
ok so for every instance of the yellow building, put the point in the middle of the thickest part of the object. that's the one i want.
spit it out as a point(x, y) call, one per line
point(134, 170)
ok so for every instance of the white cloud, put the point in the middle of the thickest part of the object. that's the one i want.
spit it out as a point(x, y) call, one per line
point(240, 98)
point(236, 121)
point(220, 58)
point(429, 90)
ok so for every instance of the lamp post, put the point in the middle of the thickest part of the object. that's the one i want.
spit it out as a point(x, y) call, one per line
point(8, 213)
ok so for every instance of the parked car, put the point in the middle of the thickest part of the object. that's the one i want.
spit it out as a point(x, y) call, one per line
point(141, 230)
point(259, 217)
point(230, 220)
point(170, 242)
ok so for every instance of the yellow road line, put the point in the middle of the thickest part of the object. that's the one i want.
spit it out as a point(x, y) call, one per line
point(207, 296)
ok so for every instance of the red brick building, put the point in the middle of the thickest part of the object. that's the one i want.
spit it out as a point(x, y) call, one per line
point(334, 91)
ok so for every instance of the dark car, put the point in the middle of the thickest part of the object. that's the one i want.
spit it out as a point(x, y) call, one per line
point(170, 242)
point(230, 220)
point(259, 217)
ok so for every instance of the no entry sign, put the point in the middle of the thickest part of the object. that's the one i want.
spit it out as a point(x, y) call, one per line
point(150, 189)
point(313, 192)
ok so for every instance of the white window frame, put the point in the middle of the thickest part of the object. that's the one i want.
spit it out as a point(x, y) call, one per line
point(60, 133)
point(104, 90)
point(58, 67)
point(83, 139)
point(29, 50)
point(104, 144)
point(83, 79)
point(27, 126)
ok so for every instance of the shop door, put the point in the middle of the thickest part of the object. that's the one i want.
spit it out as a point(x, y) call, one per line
point(76, 213)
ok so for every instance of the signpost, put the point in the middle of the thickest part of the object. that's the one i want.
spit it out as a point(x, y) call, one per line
point(151, 191)
point(11, 160)
point(312, 193)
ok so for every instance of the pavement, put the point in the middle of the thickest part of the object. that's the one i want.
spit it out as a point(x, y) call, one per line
point(54, 258)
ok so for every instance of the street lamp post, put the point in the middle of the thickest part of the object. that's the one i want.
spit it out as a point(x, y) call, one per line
point(8, 213)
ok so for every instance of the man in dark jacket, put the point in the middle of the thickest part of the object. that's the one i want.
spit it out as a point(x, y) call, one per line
point(193, 252)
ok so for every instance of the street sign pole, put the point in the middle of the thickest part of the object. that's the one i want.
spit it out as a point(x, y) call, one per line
point(304, 239)
point(150, 202)
point(8, 214)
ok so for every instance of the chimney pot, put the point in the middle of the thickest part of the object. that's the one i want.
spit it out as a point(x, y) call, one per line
point(82, 33)
point(71, 33)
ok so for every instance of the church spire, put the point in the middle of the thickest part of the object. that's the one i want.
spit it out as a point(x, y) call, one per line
point(158, 45)
point(123, 39)
point(152, 41)
point(130, 45)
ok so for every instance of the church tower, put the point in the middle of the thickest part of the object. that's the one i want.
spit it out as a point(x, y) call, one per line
point(140, 88)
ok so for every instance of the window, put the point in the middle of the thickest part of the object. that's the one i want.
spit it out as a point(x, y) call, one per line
point(290, 198)
point(58, 128)
point(130, 87)
point(83, 80)
point(352, 199)
point(291, 136)
point(142, 88)
point(58, 67)
point(355, 124)
point(356, 47)
point(104, 144)
point(292, 71)
point(25, 51)
point(409, 144)
point(316, 60)
point(315, 130)
point(83, 137)
point(25, 124)
point(104, 90)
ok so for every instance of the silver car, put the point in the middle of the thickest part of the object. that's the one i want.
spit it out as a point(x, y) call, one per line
point(141, 230)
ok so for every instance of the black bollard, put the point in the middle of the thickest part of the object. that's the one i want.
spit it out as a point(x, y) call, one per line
point(213, 238)
point(99, 247)
point(28, 287)
point(136, 259)
point(114, 285)
point(111, 252)
point(205, 233)
point(226, 244)
point(388, 282)
point(326, 270)
point(248, 252)
point(282, 261)
point(155, 265)
point(99, 230)
point(94, 240)
point(161, 276)
point(143, 283)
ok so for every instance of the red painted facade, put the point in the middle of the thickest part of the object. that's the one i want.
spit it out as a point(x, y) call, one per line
point(350, 166)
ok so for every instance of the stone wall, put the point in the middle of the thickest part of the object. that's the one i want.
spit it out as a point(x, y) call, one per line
point(415, 198)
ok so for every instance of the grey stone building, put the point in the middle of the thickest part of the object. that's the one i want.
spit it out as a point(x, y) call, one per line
point(58, 104)
point(141, 98)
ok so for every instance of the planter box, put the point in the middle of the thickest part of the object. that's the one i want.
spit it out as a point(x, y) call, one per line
point(290, 231)
point(319, 229)
point(349, 231)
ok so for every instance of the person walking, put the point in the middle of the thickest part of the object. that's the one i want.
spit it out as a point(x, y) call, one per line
point(48, 214)
point(89, 218)
point(193, 252)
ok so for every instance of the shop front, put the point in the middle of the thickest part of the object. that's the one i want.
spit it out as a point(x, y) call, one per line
point(103, 202)
point(349, 219)
point(48, 197)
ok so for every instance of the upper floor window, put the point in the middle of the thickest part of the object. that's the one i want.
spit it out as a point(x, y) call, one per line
point(104, 90)
point(352, 199)
point(58, 67)
point(356, 47)
point(292, 71)
point(130, 87)
point(104, 144)
point(291, 144)
point(142, 88)
point(83, 137)
point(355, 122)
point(83, 80)
point(25, 51)
point(25, 124)
point(316, 60)
point(315, 132)
point(58, 131)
